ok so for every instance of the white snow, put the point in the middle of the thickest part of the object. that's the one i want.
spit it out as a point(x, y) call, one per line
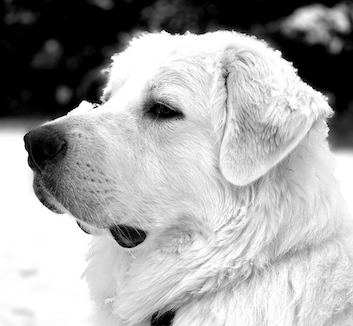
point(42, 255)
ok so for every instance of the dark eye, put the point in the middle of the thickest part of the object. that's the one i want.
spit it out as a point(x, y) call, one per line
point(159, 111)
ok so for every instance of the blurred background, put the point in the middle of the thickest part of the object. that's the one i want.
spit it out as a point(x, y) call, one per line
point(52, 53)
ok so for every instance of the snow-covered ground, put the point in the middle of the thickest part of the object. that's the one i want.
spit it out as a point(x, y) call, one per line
point(42, 255)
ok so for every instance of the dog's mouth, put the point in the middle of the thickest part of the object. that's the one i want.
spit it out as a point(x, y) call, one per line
point(125, 236)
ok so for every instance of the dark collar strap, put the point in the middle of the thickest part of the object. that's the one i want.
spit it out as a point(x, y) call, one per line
point(165, 319)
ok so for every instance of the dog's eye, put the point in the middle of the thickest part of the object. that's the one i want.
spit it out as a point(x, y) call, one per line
point(159, 111)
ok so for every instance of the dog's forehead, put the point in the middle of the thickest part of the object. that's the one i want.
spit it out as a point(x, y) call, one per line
point(164, 58)
point(151, 50)
point(172, 63)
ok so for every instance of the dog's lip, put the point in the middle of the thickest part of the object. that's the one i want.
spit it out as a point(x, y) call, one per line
point(127, 236)
point(32, 165)
point(83, 228)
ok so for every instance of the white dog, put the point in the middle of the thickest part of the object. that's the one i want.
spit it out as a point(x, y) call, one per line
point(206, 181)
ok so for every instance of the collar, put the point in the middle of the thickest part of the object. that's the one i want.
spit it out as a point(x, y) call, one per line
point(165, 319)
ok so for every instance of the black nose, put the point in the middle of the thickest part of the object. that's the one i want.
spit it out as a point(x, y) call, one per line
point(45, 145)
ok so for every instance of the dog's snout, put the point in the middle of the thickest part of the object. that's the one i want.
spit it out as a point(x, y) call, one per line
point(45, 145)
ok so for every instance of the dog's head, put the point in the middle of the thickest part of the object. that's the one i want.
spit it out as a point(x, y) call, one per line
point(186, 123)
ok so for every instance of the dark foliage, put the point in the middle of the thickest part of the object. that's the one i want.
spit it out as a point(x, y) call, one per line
point(52, 51)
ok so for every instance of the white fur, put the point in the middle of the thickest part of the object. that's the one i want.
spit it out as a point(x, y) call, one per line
point(244, 219)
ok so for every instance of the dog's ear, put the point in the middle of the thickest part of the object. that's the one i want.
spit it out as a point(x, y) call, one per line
point(269, 111)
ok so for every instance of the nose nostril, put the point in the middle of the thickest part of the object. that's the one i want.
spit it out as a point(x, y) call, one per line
point(38, 154)
point(44, 146)
point(41, 154)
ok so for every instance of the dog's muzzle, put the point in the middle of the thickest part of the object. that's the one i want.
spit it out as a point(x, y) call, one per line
point(46, 147)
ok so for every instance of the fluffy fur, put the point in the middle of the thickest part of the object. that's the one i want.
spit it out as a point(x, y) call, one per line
point(245, 222)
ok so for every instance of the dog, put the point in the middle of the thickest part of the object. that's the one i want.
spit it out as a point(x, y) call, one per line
point(206, 181)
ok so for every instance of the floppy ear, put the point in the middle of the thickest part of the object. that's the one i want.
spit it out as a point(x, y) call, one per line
point(269, 111)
